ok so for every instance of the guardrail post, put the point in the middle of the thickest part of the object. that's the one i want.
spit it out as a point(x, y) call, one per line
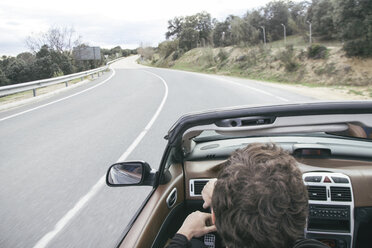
point(66, 83)
point(34, 92)
point(92, 76)
point(82, 78)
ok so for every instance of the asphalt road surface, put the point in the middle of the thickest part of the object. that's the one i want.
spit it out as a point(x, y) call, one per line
point(55, 152)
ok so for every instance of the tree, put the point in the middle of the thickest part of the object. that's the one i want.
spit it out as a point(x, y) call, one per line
point(203, 25)
point(353, 20)
point(276, 13)
point(18, 71)
point(174, 27)
point(298, 12)
point(116, 50)
point(242, 32)
point(191, 30)
point(189, 38)
point(253, 22)
point(321, 14)
point(222, 32)
point(29, 58)
point(60, 39)
point(3, 79)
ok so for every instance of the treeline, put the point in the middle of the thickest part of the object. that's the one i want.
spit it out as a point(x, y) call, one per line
point(116, 51)
point(51, 57)
point(48, 63)
point(349, 21)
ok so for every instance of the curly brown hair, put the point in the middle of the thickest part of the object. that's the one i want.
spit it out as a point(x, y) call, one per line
point(259, 199)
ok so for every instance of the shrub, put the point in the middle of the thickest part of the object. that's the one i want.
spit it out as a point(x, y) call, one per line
point(359, 48)
point(166, 48)
point(207, 57)
point(287, 57)
point(327, 69)
point(317, 51)
point(222, 55)
point(291, 66)
point(177, 54)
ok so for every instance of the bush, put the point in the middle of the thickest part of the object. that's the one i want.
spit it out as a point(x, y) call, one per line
point(359, 48)
point(177, 54)
point(222, 55)
point(166, 48)
point(207, 57)
point(317, 51)
point(287, 57)
point(3, 79)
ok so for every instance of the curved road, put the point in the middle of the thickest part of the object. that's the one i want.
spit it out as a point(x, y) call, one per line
point(54, 153)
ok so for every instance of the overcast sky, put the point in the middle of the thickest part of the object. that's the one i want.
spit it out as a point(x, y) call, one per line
point(105, 23)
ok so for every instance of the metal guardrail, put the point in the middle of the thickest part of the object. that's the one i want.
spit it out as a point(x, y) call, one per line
point(16, 88)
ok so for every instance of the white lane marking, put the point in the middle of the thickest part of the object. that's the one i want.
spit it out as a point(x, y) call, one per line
point(44, 241)
point(59, 100)
point(148, 126)
point(241, 85)
point(232, 82)
point(252, 88)
point(282, 98)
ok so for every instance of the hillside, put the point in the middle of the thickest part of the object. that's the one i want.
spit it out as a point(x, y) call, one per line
point(289, 64)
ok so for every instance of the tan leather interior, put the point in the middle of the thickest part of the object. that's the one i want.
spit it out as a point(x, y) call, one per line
point(148, 223)
point(356, 131)
point(360, 173)
point(146, 227)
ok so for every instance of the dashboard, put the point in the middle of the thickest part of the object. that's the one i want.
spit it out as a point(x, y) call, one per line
point(340, 197)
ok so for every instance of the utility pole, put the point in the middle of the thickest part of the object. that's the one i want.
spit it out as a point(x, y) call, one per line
point(264, 35)
point(285, 34)
point(310, 32)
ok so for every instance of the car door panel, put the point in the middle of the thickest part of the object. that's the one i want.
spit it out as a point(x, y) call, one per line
point(152, 216)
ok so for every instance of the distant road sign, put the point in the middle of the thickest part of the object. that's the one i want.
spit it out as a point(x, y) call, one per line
point(87, 53)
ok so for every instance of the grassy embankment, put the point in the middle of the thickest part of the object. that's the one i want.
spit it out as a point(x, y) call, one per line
point(284, 64)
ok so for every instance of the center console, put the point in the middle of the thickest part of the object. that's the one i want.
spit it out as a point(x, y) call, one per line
point(331, 208)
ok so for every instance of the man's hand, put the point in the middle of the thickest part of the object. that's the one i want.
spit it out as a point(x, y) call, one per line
point(196, 225)
point(207, 192)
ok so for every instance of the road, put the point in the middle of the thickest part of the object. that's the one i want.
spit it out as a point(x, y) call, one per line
point(54, 153)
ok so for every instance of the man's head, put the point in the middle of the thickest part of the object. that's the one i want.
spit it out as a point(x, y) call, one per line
point(259, 199)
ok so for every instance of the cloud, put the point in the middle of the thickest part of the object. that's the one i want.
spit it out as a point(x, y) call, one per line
point(112, 22)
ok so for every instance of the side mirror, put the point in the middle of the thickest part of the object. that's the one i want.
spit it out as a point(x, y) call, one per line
point(130, 173)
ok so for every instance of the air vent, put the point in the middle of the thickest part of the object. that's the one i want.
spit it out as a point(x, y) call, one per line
point(340, 194)
point(211, 156)
point(198, 186)
point(317, 193)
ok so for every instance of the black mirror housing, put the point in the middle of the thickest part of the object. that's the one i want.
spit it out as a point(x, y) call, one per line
point(130, 174)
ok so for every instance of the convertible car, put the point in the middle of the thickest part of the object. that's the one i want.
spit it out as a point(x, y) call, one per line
point(331, 141)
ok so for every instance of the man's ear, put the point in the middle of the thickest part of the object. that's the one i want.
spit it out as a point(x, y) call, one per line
point(213, 218)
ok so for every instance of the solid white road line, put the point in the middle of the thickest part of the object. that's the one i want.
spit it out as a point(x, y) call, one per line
point(232, 82)
point(148, 126)
point(252, 88)
point(282, 98)
point(59, 100)
point(44, 241)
